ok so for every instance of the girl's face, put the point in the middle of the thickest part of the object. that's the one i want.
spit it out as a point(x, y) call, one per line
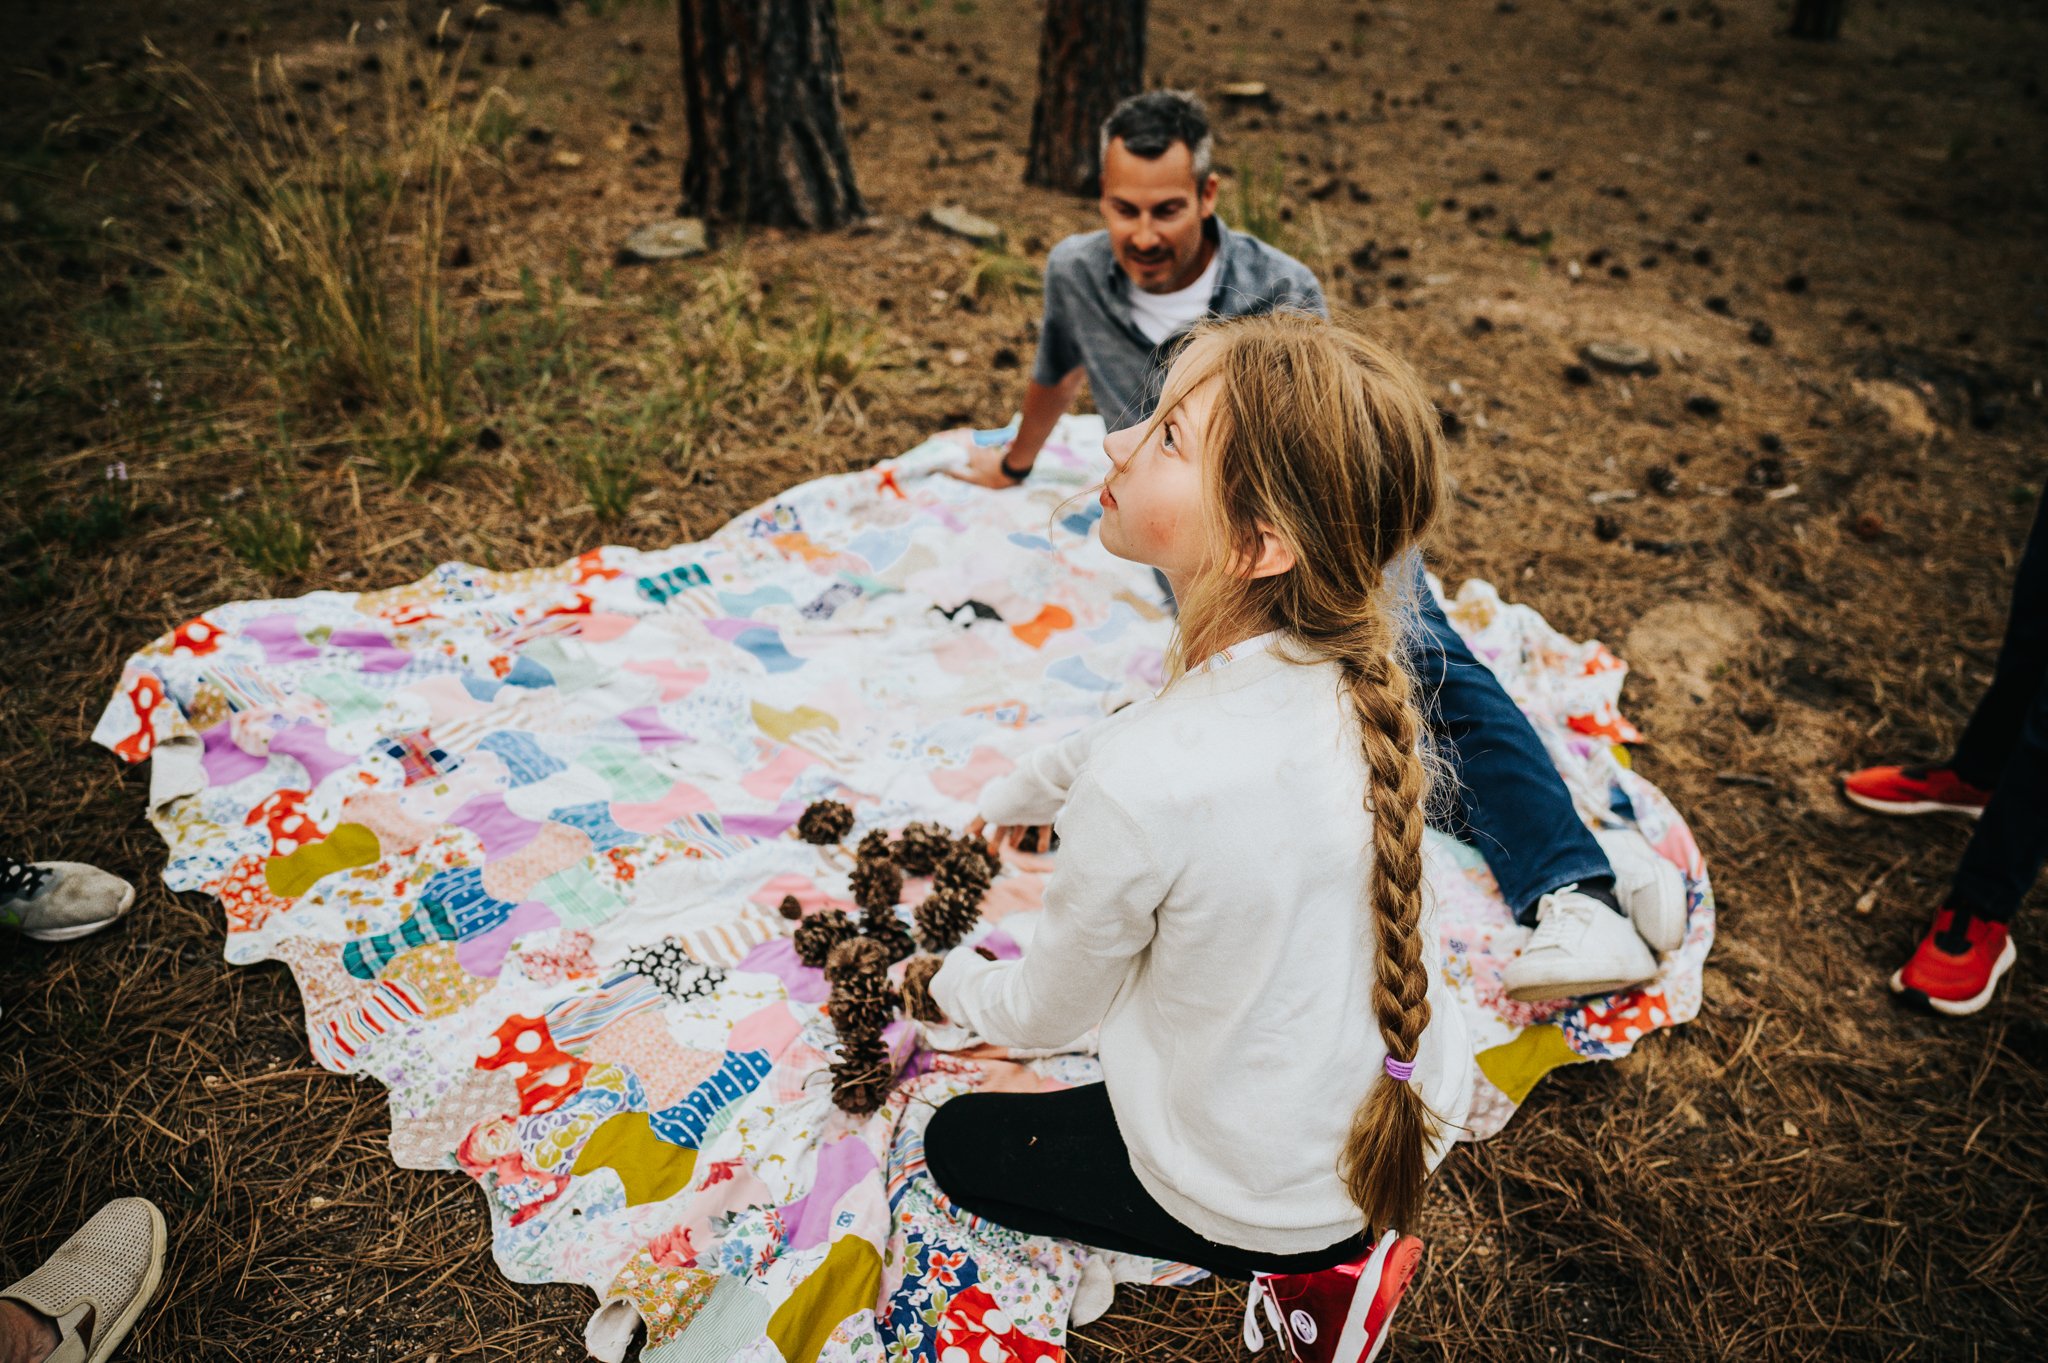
point(1152, 500)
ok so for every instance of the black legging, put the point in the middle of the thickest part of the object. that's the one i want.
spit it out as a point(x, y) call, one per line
point(1055, 1164)
point(2005, 750)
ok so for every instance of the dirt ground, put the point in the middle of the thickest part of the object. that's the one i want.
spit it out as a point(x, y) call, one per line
point(1799, 531)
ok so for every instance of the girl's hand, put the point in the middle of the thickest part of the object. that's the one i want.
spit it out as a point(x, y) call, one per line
point(1011, 835)
point(917, 991)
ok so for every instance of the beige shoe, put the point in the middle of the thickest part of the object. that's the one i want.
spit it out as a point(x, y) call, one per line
point(99, 1280)
point(67, 900)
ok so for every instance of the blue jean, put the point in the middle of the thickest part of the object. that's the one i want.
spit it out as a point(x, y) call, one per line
point(1508, 800)
point(2005, 749)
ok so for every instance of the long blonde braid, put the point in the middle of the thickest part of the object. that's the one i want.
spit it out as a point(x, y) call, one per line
point(1330, 442)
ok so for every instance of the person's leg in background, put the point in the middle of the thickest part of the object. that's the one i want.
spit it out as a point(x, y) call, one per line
point(1510, 803)
point(2003, 750)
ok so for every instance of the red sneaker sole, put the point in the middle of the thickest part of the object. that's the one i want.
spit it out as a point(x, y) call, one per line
point(1385, 1279)
point(1877, 806)
point(1958, 1008)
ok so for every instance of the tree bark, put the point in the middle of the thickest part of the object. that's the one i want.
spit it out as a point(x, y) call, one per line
point(1818, 20)
point(761, 91)
point(1091, 54)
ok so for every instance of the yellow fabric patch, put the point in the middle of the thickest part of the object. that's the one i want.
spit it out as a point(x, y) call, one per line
point(349, 845)
point(1515, 1066)
point(782, 725)
point(437, 979)
point(649, 1166)
point(848, 1281)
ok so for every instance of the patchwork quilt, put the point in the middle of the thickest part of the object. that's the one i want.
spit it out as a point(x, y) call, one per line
point(521, 838)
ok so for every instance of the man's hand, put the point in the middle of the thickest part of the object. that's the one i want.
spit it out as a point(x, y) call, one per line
point(985, 467)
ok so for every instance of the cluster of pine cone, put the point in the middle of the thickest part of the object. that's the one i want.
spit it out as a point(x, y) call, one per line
point(856, 956)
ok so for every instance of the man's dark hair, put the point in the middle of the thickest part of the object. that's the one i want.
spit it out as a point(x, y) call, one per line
point(1152, 122)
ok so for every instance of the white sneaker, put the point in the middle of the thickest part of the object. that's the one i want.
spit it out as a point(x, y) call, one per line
point(64, 900)
point(1580, 947)
point(1648, 886)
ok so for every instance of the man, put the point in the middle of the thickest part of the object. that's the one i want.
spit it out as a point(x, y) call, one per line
point(1999, 777)
point(1114, 302)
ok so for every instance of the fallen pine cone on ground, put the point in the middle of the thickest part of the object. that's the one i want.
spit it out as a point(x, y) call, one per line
point(824, 822)
point(887, 931)
point(943, 917)
point(861, 1075)
point(817, 935)
point(877, 884)
point(922, 847)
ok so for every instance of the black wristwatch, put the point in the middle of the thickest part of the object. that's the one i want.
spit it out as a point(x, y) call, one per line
point(1014, 475)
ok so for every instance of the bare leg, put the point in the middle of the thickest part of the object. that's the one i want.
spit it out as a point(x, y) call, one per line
point(25, 1336)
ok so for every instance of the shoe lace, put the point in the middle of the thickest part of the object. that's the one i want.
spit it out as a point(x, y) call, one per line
point(21, 879)
point(1563, 909)
point(1261, 1294)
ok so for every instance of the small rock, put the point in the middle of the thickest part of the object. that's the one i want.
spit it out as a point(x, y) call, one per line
point(566, 159)
point(669, 240)
point(957, 357)
point(962, 223)
point(1577, 375)
point(1699, 404)
point(1241, 93)
point(1761, 333)
point(1622, 357)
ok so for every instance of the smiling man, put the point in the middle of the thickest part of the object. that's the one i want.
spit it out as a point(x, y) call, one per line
point(1114, 299)
point(1114, 302)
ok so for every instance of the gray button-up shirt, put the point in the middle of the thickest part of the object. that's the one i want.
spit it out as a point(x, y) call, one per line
point(1088, 322)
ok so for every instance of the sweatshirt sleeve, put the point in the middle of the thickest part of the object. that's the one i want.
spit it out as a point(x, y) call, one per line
point(1033, 793)
point(1099, 913)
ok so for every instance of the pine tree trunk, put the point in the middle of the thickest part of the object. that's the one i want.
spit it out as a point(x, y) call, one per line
point(1819, 20)
point(761, 81)
point(1091, 54)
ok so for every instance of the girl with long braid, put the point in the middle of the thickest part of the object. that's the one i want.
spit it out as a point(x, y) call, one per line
point(1238, 902)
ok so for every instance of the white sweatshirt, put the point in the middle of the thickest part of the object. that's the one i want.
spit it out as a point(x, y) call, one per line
point(1208, 909)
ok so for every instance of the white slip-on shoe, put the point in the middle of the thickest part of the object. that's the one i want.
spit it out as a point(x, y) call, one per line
point(1580, 947)
point(65, 900)
point(1648, 886)
point(98, 1281)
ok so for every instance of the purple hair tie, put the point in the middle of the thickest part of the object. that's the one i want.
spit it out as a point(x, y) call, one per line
point(1400, 1071)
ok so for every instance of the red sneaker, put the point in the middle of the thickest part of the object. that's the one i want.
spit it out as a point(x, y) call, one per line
point(1914, 790)
point(1339, 1315)
point(1957, 964)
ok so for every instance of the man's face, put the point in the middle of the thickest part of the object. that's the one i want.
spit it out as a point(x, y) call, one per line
point(1156, 212)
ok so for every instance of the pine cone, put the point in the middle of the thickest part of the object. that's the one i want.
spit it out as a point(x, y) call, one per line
point(885, 929)
point(817, 935)
point(946, 916)
point(877, 884)
point(965, 871)
point(857, 1013)
point(858, 963)
point(978, 850)
point(874, 846)
point(917, 990)
point(790, 908)
point(922, 847)
point(862, 1075)
point(825, 822)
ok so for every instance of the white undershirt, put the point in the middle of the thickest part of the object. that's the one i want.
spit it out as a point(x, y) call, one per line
point(1160, 315)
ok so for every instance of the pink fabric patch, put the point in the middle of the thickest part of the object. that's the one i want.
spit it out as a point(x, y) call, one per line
point(682, 799)
point(676, 682)
point(964, 783)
